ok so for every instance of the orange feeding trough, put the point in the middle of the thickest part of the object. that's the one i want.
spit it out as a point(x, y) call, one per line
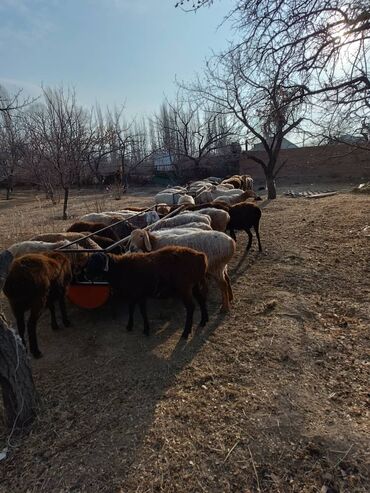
point(88, 295)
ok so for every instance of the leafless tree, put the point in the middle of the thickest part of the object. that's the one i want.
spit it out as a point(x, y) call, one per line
point(11, 147)
point(266, 100)
point(11, 142)
point(348, 125)
point(11, 102)
point(330, 39)
point(100, 148)
point(60, 138)
point(192, 130)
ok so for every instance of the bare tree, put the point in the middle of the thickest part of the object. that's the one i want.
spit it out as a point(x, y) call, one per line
point(348, 125)
point(60, 138)
point(265, 100)
point(11, 142)
point(190, 130)
point(100, 148)
point(330, 39)
point(13, 102)
point(11, 147)
point(140, 150)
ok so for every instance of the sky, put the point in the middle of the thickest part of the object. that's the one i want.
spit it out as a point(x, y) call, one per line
point(112, 52)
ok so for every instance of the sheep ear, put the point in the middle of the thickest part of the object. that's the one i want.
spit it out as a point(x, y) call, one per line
point(106, 266)
point(147, 243)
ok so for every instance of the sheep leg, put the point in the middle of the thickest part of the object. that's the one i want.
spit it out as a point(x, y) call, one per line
point(54, 323)
point(223, 285)
point(189, 306)
point(131, 310)
point(232, 234)
point(63, 311)
point(21, 326)
point(250, 239)
point(229, 288)
point(256, 229)
point(201, 299)
point(142, 306)
point(31, 327)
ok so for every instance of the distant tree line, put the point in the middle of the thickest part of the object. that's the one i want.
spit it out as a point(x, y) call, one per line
point(58, 143)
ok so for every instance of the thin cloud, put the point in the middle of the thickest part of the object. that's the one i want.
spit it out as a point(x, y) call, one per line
point(139, 7)
point(24, 21)
point(29, 89)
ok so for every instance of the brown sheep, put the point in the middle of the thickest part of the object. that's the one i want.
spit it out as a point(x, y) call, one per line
point(82, 226)
point(37, 280)
point(104, 243)
point(167, 273)
point(235, 181)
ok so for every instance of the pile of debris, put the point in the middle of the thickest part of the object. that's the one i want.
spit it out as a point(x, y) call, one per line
point(309, 194)
point(362, 188)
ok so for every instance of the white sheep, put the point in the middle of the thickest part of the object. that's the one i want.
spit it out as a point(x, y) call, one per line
point(218, 247)
point(186, 199)
point(69, 236)
point(196, 187)
point(170, 196)
point(235, 199)
point(104, 217)
point(219, 218)
point(191, 225)
point(185, 218)
point(138, 220)
point(33, 246)
point(215, 192)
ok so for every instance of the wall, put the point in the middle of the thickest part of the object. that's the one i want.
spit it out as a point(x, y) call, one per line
point(338, 162)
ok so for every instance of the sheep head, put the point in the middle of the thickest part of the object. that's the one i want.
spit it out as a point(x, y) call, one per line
point(140, 241)
point(97, 265)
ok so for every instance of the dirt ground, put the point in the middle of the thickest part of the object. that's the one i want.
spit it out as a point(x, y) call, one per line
point(272, 397)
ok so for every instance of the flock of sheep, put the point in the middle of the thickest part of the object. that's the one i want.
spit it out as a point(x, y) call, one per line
point(168, 251)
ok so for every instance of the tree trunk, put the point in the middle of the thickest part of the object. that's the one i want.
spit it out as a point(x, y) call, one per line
point(271, 187)
point(9, 186)
point(65, 203)
point(16, 380)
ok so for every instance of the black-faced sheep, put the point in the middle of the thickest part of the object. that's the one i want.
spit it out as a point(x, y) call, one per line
point(245, 216)
point(170, 272)
point(37, 280)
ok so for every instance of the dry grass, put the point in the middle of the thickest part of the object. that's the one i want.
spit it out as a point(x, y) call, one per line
point(28, 214)
point(270, 398)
